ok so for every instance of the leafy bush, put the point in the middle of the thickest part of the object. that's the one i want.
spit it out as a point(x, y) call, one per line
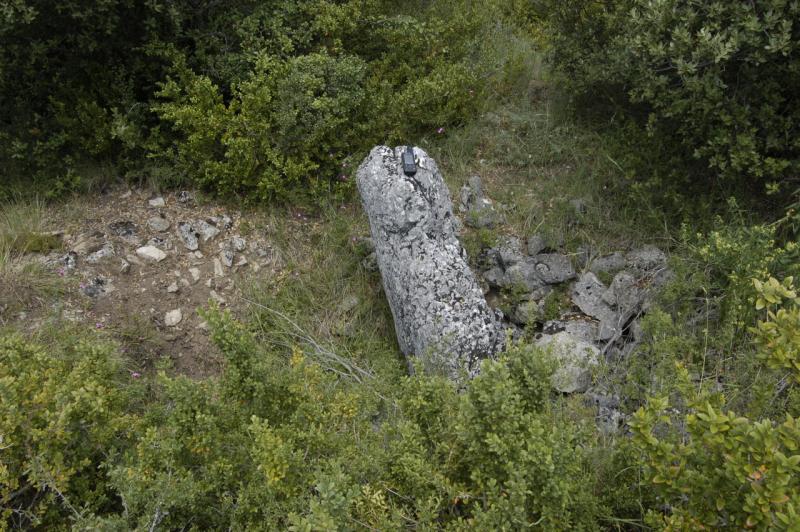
point(268, 100)
point(716, 76)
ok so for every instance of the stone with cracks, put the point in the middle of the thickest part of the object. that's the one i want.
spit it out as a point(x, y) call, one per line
point(439, 310)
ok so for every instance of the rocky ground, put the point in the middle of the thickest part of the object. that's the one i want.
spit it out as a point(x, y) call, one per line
point(141, 266)
point(585, 308)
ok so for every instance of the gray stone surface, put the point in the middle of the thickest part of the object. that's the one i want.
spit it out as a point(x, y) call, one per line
point(587, 295)
point(188, 235)
point(608, 263)
point(575, 359)
point(536, 244)
point(439, 310)
point(554, 268)
point(157, 223)
point(151, 253)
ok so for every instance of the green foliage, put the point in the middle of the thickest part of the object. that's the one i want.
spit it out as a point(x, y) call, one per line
point(726, 472)
point(61, 414)
point(277, 442)
point(717, 77)
point(269, 100)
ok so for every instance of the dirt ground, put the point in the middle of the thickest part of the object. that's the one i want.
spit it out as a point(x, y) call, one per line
point(130, 271)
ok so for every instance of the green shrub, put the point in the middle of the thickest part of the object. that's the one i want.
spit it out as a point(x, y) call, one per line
point(62, 413)
point(718, 77)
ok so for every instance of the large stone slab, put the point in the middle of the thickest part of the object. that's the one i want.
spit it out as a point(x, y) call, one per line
point(439, 310)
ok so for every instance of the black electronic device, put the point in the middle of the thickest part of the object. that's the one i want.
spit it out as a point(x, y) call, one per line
point(409, 165)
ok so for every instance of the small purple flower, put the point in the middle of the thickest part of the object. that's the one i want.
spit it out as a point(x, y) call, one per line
point(440, 130)
point(82, 285)
point(99, 325)
point(61, 272)
point(345, 164)
point(135, 374)
point(342, 177)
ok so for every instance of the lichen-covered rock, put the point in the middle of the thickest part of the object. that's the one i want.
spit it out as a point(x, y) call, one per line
point(439, 310)
point(575, 358)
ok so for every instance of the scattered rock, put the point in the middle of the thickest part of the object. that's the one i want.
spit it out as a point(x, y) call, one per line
point(238, 244)
point(173, 288)
point(226, 256)
point(188, 235)
point(184, 196)
point(587, 295)
point(173, 317)
point(206, 230)
point(524, 275)
point(157, 202)
point(554, 268)
point(160, 242)
point(125, 267)
point(575, 359)
point(195, 273)
point(216, 297)
point(608, 263)
point(495, 277)
point(151, 253)
point(508, 253)
point(97, 287)
point(218, 271)
point(647, 258)
point(69, 260)
point(242, 261)
point(438, 306)
point(106, 251)
point(123, 228)
point(159, 224)
point(536, 245)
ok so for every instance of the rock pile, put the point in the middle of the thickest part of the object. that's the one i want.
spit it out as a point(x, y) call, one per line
point(594, 319)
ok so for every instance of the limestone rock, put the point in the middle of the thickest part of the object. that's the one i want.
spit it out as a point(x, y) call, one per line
point(587, 295)
point(439, 310)
point(158, 224)
point(536, 245)
point(151, 253)
point(173, 317)
point(157, 202)
point(575, 359)
point(554, 268)
point(188, 235)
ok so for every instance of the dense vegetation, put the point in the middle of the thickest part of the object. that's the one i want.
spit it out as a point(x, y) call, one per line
point(690, 103)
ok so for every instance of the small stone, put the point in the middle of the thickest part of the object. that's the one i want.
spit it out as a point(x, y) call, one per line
point(172, 288)
point(242, 261)
point(195, 273)
point(151, 253)
point(203, 325)
point(536, 245)
point(206, 230)
point(218, 271)
point(184, 196)
point(185, 282)
point(216, 297)
point(226, 255)
point(188, 235)
point(157, 202)
point(125, 195)
point(209, 283)
point(173, 317)
point(198, 254)
point(238, 244)
point(523, 274)
point(159, 224)
point(160, 242)
point(123, 228)
point(125, 266)
point(509, 252)
point(106, 251)
point(70, 260)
